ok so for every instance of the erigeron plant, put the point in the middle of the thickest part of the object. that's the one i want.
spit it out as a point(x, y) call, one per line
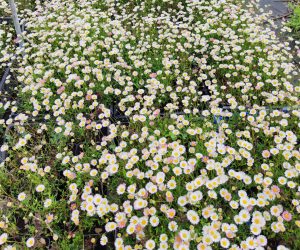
point(4, 8)
point(6, 45)
point(204, 178)
point(152, 176)
point(7, 56)
point(186, 65)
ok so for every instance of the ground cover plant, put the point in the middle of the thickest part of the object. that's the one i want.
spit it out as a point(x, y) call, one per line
point(294, 21)
point(149, 125)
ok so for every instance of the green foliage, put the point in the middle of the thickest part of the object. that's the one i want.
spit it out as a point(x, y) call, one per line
point(294, 21)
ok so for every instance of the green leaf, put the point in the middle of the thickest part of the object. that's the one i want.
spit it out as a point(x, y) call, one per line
point(297, 11)
point(173, 137)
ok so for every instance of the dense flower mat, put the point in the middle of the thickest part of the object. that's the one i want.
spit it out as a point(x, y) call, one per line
point(152, 124)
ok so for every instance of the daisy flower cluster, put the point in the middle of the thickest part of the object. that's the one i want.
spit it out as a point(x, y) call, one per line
point(4, 8)
point(6, 37)
point(151, 125)
point(6, 44)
